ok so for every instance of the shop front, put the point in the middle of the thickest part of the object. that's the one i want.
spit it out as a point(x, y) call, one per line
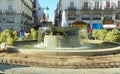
point(79, 24)
point(108, 24)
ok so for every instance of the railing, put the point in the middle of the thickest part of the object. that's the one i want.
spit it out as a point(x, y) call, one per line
point(108, 8)
point(96, 18)
point(27, 23)
point(71, 8)
point(118, 8)
point(71, 18)
point(97, 8)
point(10, 11)
point(85, 8)
point(10, 21)
point(27, 16)
point(85, 18)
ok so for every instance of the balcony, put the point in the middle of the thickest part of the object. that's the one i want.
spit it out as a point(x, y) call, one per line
point(71, 15)
point(117, 16)
point(71, 18)
point(96, 17)
point(1, 19)
point(108, 18)
point(72, 8)
point(0, 11)
point(85, 17)
point(27, 23)
point(10, 21)
point(97, 8)
point(118, 7)
point(85, 8)
point(10, 11)
point(108, 8)
point(26, 15)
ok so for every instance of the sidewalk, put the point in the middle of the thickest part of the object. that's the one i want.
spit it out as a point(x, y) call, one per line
point(9, 69)
point(36, 70)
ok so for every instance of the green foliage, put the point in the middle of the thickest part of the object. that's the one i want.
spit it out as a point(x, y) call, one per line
point(95, 34)
point(3, 37)
point(10, 41)
point(113, 36)
point(15, 35)
point(115, 32)
point(102, 34)
point(8, 36)
point(34, 34)
point(83, 33)
point(28, 36)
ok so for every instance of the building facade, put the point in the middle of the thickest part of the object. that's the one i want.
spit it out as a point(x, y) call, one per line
point(16, 14)
point(97, 13)
point(38, 13)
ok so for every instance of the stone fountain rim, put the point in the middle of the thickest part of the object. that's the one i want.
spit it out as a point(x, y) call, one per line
point(75, 52)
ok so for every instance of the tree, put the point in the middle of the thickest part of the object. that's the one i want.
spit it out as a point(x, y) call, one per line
point(95, 34)
point(8, 36)
point(34, 34)
point(102, 34)
point(113, 36)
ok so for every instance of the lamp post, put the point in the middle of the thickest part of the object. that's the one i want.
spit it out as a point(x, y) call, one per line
point(44, 17)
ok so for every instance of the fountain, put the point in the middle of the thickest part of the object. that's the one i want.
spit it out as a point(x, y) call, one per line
point(59, 37)
point(64, 22)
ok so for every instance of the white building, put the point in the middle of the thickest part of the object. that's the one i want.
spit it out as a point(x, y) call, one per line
point(97, 13)
point(16, 14)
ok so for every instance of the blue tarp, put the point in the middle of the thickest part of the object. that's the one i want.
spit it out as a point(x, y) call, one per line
point(97, 26)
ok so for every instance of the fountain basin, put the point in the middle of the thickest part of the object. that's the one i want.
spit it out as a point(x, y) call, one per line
point(59, 37)
point(57, 41)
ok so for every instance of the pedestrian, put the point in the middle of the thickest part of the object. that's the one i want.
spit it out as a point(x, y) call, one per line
point(90, 33)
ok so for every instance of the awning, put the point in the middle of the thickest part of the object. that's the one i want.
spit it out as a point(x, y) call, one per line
point(79, 24)
point(109, 26)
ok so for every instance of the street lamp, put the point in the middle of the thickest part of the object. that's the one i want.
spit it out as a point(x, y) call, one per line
point(45, 17)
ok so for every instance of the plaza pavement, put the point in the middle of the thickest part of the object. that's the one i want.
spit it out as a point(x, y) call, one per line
point(37, 70)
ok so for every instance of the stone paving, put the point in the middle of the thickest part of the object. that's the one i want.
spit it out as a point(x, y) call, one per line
point(9, 69)
point(36, 70)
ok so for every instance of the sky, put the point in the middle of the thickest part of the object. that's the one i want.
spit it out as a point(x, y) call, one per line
point(52, 4)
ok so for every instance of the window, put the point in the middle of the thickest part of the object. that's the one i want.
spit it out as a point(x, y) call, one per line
point(107, 17)
point(10, 19)
point(118, 4)
point(96, 4)
point(1, 18)
point(107, 4)
point(85, 4)
point(71, 4)
point(71, 15)
point(10, 7)
point(96, 17)
point(117, 17)
point(85, 17)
